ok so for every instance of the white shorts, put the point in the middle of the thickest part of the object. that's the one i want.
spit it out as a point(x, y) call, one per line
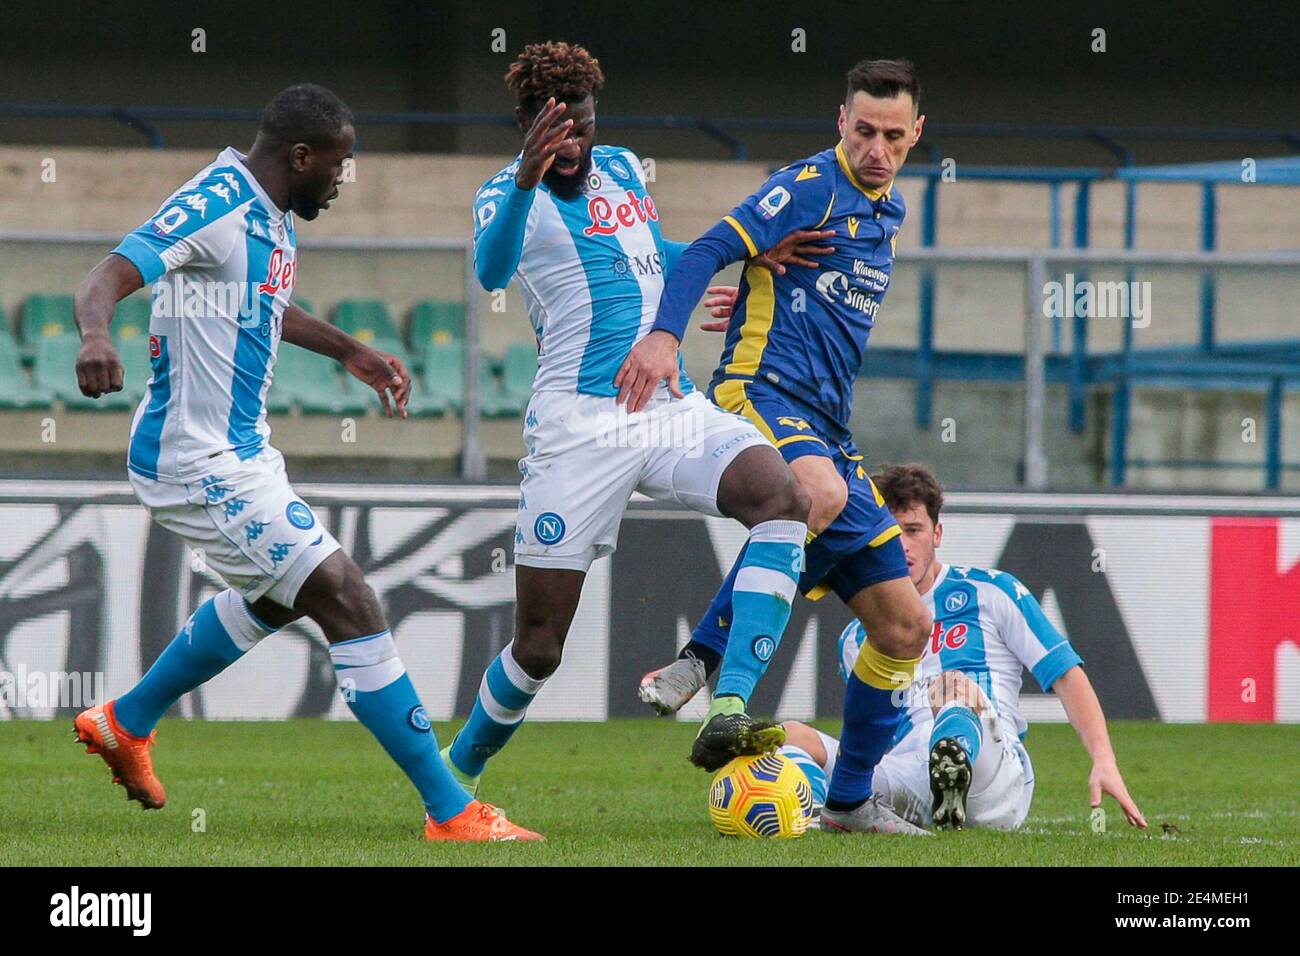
point(1002, 779)
point(244, 521)
point(586, 456)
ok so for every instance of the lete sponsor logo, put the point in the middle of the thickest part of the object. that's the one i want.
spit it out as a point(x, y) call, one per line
point(607, 219)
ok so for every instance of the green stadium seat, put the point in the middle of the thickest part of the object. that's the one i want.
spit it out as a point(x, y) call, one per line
point(444, 373)
point(519, 370)
point(305, 304)
point(494, 401)
point(311, 381)
point(436, 322)
point(55, 370)
point(444, 376)
point(131, 319)
point(367, 319)
point(46, 317)
point(15, 391)
point(426, 402)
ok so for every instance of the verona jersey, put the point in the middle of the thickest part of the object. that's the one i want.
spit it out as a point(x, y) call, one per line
point(591, 272)
point(988, 626)
point(222, 258)
point(805, 332)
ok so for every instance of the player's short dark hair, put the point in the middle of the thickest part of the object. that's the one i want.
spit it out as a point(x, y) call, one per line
point(304, 113)
point(906, 486)
point(884, 79)
point(555, 68)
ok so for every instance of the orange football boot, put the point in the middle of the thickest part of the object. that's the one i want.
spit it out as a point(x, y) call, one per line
point(478, 823)
point(127, 756)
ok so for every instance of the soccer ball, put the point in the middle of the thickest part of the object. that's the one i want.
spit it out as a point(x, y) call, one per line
point(765, 796)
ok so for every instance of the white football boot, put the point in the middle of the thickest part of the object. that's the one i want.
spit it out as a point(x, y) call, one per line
point(874, 816)
point(669, 688)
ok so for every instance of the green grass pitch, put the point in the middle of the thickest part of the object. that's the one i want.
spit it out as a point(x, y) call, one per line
point(621, 793)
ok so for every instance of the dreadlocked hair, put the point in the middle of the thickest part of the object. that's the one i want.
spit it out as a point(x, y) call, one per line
point(562, 70)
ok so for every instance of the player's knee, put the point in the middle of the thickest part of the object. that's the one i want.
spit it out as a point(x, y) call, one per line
point(827, 499)
point(772, 494)
point(904, 636)
point(788, 502)
point(537, 649)
point(917, 632)
point(338, 598)
point(359, 605)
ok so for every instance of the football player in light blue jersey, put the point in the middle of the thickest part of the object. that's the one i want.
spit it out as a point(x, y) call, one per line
point(574, 225)
point(224, 246)
point(958, 757)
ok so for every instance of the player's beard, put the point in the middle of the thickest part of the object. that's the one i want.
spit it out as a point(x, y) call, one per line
point(568, 187)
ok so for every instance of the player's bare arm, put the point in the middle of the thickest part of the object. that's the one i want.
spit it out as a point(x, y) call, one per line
point(99, 369)
point(383, 372)
point(1084, 711)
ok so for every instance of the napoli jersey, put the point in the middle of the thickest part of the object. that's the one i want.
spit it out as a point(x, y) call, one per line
point(222, 258)
point(805, 332)
point(591, 271)
point(988, 626)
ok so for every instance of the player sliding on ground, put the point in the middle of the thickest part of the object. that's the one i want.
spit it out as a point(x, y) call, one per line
point(958, 756)
point(573, 223)
point(792, 353)
point(201, 461)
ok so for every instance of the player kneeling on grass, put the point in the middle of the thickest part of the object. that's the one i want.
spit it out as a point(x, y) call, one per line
point(958, 756)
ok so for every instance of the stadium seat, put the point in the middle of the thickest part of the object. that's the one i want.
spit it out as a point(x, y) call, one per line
point(46, 316)
point(425, 402)
point(492, 398)
point(444, 373)
point(305, 304)
point(131, 319)
point(520, 368)
point(312, 382)
point(367, 319)
point(55, 371)
point(435, 322)
point(15, 391)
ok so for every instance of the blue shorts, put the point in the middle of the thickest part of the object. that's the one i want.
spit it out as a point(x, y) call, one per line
point(861, 547)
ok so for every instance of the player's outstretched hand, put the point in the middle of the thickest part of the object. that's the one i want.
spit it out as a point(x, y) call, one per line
point(651, 361)
point(384, 373)
point(721, 301)
point(794, 249)
point(99, 370)
point(547, 136)
point(1105, 778)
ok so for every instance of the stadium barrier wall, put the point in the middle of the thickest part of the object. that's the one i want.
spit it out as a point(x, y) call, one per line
point(1182, 608)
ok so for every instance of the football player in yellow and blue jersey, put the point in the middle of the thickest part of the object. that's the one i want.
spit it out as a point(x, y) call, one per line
point(793, 349)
